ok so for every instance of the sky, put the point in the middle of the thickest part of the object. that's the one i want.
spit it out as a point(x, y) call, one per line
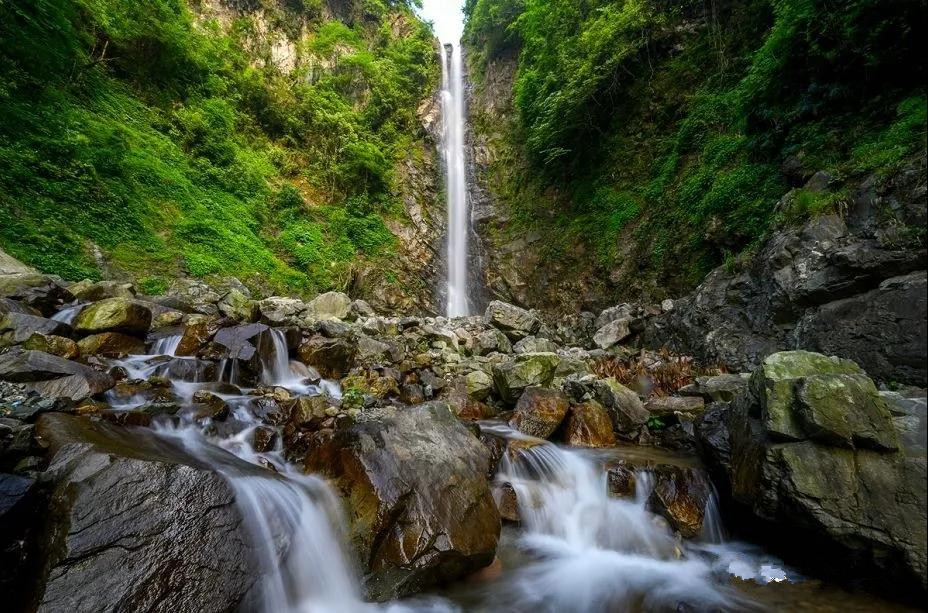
point(447, 17)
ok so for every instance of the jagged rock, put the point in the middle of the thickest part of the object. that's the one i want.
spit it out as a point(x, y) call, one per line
point(507, 502)
point(625, 408)
point(662, 406)
point(812, 451)
point(43, 293)
point(112, 344)
point(532, 344)
point(114, 315)
point(479, 384)
point(331, 305)
point(238, 307)
point(419, 504)
point(101, 290)
point(16, 328)
point(515, 322)
point(198, 330)
point(681, 495)
point(191, 296)
point(372, 351)
point(277, 311)
point(55, 345)
point(51, 376)
point(719, 388)
point(489, 341)
point(588, 425)
point(11, 266)
point(465, 406)
point(539, 411)
point(123, 527)
point(529, 369)
point(333, 357)
point(612, 333)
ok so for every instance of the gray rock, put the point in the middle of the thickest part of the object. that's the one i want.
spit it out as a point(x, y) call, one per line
point(515, 322)
point(718, 388)
point(511, 377)
point(613, 333)
point(18, 327)
point(532, 344)
point(277, 311)
point(41, 292)
point(331, 305)
point(51, 376)
point(625, 408)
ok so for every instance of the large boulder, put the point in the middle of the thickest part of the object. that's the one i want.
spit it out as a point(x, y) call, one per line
point(588, 425)
point(41, 292)
point(332, 357)
point(16, 328)
point(625, 408)
point(511, 377)
point(813, 450)
point(328, 306)
point(131, 525)
point(111, 344)
point(515, 322)
point(86, 291)
point(419, 503)
point(539, 411)
point(51, 376)
point(114, 315)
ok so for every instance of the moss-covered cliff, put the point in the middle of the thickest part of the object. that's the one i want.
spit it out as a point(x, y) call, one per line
point(272, 140)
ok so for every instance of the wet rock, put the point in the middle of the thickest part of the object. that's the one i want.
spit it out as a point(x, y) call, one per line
point(419, 503)
point(479, 384)
point(333, 357)
point(209, 406)
point(719, 388)
point(489, 341)
point(625, 408)
point(621, 481)
point(114, 315)
point(331, 305)
point(264, 439)
point(681, 495)
point(16, 328)
point(123, 524)
point(43, 293)
point(238, 307)
point(539, 411)
point(663, 406)
point(111, 344)
point(464, 406)
point(101, 290)
point(55, 345)
point(529, 369)
point(198, 330)
point(507, 502)
point(239, 343)
point(588, 425)
point(812, 450)
point(51, 376)
point(515, 322)
point(910, 418)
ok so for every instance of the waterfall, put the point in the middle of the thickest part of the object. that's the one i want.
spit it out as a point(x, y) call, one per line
point(453, 109)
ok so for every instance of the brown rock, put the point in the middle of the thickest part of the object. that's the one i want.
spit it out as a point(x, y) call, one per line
point(671, 405)
point(55, 345)
point(111, 344)
point(332, 357)
point(588, 425)
point(539, 411)
point(507, 502)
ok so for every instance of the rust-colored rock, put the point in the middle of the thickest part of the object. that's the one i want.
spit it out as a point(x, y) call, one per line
point(111, 344)
point(588, 425)
point(540, 411)
point(418, 500)
point(332, 357)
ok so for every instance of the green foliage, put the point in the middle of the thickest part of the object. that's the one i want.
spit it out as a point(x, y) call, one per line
point(174, 145)
point(666, 125)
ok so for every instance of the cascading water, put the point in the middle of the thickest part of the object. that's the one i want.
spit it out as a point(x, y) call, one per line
point(453, 111)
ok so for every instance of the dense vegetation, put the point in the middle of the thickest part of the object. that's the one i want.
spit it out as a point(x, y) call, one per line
point(677, 126)
point(166, 135)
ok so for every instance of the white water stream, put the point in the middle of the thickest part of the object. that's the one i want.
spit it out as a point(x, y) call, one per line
point(453, 113)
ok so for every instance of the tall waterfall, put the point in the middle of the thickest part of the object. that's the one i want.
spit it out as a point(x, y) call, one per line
point(453, 109)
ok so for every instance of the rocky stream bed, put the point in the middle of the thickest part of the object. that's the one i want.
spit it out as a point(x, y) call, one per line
point(204, 451)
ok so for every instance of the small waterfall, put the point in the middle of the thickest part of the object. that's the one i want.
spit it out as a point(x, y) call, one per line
point(167, 345)
point(67, 315)
point(279, 371)
point(453, 112)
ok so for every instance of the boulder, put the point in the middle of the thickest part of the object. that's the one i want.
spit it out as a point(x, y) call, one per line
point(11, 266)
point(43, 293)
point(490, 341)
point(114, 315)
point(333, 357)
point(16, 328)
point(51, 376)
point(625, 408)
point(910, 418)
point(191, 296)
point(419, 504)
point(124, 519)
point(612, 333)
point(813, 450)
point(479, 384)
point(238, 307)
point(663, 406)
point(111, 344)
point(56, 345)
point(331, 305)
point(101, 290)
point(718, 388)
point(539, 411)
point(515, 322)
point(198, 330)
point(588, 425)
point(533, 344)
point(277, 311)
point(528, 369)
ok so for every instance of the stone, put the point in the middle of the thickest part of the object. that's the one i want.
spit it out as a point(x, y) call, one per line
point(910, 418)
point(111, 344)
point(479, 384)
point(718, 388)
point(612, 333)
point(277, 311)
point(532, 344)
point(539, 411)
point(11, 266)
point(681, 495)
point(625, 408)
point(55, 345)
point(43, 293)
point(16, 328)
point(418, 501)
point(130, 519)
point(515, 322)
point(507, 502)
point(101, 290)
point(238, 307)
point(114, 315)
point(371, 351)
point(198, 330)
point(490, 341)
point(528, 369)
point(331, 305)
point(588, 425)
point(51, 376)
point(844, 411)
point(333, 357)
point(662, 406)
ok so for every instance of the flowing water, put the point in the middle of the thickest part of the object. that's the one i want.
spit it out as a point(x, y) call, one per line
point(453, 112)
